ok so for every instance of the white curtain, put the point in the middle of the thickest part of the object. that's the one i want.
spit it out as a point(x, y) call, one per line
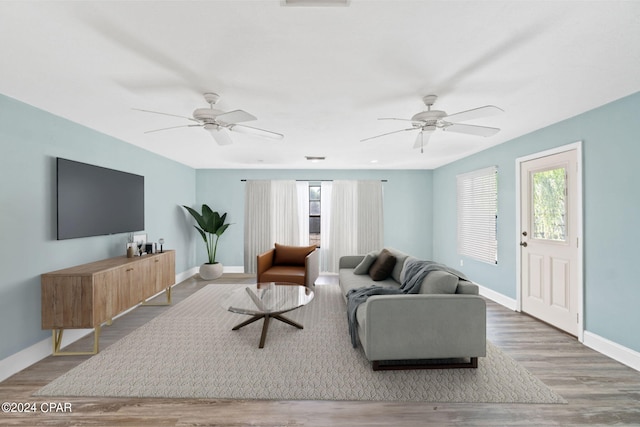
point(370, 229)
point(342, 230)
point(326, 191)
point(284, 211)
point(356, 220)
point(302, 188)
point(271, 216)
point(278, 212)
point(257, 222)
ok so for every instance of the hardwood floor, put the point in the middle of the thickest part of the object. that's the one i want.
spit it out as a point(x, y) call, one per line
point(599, 390)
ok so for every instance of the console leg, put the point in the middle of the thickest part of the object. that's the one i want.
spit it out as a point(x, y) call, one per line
point(57, 342)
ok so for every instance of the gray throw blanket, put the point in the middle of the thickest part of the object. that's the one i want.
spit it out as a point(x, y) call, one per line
point(415, 272)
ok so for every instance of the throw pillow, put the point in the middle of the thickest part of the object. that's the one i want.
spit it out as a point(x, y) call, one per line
point(365, 264)
point(382, 266)
point(291, 255)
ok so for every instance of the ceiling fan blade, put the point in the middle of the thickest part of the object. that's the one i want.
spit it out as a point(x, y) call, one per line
point(476, 113)
point(165, 114)
point(471, 129)
point(172, 127)
point(235, 116)
point(388, 133)
point(395, 118)
point(422, 139)
point(220, 135)
point(255, 131)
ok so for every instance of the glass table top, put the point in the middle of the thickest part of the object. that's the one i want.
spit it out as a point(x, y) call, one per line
point(268, 298)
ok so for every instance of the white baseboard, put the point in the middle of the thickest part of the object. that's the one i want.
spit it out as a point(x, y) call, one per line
point(233, 269)
point(613, 350)
point(186, 274)
point(35, 353)
point(602, 345)
point(505, 301)
point(38, 351)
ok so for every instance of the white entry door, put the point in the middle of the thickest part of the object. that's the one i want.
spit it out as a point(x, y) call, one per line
point(549, 240)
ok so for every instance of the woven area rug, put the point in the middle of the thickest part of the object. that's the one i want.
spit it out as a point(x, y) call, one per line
point(190, 351)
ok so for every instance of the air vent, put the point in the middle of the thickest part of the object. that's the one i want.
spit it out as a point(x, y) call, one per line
point(315, 159)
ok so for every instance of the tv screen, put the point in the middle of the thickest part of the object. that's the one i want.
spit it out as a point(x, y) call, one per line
point(95, 201)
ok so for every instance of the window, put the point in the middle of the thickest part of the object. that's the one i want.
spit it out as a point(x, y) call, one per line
point(314, 214)
point(549, 205)
point(477, 203)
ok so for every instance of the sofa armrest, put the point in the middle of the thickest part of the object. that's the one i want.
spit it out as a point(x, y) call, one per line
point(350, 261)
point(312, 268)
point(398, 327)
point(265, 262)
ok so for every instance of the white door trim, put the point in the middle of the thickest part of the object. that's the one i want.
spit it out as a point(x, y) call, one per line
point(573, 146)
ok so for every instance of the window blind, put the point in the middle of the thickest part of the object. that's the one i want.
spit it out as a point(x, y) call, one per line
point(477, 204)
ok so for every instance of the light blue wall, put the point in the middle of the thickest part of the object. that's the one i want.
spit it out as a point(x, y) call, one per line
point(30, 140)
point(407, 205)
point(611, 149)
point(419, 211)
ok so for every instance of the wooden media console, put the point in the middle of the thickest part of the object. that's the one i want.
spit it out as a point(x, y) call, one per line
point(88, 295)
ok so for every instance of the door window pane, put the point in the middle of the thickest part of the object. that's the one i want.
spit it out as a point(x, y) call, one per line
point(550, 205)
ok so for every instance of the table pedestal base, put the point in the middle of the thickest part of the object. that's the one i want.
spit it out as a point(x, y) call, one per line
point(265, 325)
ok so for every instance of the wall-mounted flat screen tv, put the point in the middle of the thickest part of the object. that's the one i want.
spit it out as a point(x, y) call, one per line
point(95, 201)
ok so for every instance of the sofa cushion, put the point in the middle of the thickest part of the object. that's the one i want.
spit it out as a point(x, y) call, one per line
point(382, 266)
point(401, 257)
point(349, 281)
point(467, 288)
point(365, 264)
point(291, 255)
point(439, 282)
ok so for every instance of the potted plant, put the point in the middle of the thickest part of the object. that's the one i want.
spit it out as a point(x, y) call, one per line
point(211, 225)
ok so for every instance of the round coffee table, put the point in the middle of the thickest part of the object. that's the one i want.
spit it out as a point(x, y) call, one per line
point(268, 301)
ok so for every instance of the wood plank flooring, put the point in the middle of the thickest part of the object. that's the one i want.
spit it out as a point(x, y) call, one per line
point(600, 391)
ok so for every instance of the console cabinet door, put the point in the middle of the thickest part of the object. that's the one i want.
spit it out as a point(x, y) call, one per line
point(167, 270)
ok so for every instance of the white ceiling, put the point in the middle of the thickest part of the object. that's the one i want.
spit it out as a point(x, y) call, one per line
point(319, 75)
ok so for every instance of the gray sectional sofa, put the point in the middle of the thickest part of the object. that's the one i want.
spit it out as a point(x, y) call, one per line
point(445, 319)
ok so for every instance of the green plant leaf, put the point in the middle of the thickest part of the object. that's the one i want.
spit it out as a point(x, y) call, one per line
point(211, 225)
point(202, 233)
point(196, 215)
point(222, 229)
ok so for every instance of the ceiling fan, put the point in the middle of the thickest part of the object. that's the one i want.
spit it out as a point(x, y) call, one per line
point(218, 122)
point(426, 122)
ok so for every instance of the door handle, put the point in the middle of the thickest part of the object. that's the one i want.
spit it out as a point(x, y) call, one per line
point(523, 244)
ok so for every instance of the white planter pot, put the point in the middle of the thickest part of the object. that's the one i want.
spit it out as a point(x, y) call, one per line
point(211, 271)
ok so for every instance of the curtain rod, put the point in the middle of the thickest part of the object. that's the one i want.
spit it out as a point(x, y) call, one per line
point(318, 180)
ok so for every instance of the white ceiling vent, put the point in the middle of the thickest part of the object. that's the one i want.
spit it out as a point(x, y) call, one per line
point(317, 3)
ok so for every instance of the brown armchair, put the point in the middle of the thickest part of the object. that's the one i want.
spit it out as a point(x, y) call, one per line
point(293, 264)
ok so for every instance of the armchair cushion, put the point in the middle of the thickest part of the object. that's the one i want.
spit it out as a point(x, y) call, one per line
point(291, 255)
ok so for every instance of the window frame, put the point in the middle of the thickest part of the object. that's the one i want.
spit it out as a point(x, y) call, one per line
point(477, 214)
